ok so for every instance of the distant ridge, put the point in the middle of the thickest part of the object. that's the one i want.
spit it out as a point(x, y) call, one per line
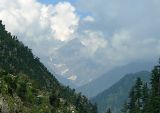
point(108, 79)
point(115, 96)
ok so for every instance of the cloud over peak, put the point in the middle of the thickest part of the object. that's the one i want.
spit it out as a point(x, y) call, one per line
point(64, 21)
point(93, 40)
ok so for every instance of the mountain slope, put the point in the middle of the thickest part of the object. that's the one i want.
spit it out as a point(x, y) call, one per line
point(71, 60)
point(17, 59)
point(115, 96)
point(108, 79)
point(65, 81)
point(19, 95)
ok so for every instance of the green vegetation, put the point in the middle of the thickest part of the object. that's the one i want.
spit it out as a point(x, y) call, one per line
point(144, 94)
point(117, 95)
point(145, 99)
point(18, 95)
point(28, 87)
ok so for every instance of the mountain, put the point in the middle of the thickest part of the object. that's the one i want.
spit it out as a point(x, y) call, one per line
point(65, 81)
point(115, 96)
point(70, 61)
point(108, 79)
point(28, 86)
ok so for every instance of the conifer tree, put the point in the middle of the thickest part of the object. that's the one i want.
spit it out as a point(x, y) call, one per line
point(155, 89)
point(138, 95)
point(109, 111)
point(135, 98)
point(132, 101)
point(125, 108)
point(145, 98)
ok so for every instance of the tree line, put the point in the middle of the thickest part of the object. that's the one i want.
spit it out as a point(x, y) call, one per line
point(144, 97)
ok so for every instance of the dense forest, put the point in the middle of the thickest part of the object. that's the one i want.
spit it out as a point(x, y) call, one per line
point(26, 86)
point(116, 95)
point(144, 97)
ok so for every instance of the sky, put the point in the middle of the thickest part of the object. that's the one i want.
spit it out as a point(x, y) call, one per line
point(56, 1)
point(82, 40)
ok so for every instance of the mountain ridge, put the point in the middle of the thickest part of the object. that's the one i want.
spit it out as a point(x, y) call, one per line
point(116, 95)
point(108, 79)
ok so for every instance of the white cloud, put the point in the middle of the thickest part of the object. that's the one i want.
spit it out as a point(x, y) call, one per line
point(121, 40)
point(89, 19)
point(93, 41)
point(34, 21)
point(132, 30)
point(123, 48)
point(64, 22)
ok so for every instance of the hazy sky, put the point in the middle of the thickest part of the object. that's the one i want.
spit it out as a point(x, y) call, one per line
point(106, 33)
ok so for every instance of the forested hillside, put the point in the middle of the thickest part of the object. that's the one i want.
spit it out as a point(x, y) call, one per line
point(135, 93)
point(115, 96)
point(27, 85)
point(145, 97)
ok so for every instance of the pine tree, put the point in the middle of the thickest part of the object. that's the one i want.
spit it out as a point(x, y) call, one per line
point(145, 98)
point(125, 108)
point(109, 111)
point(155, 89)
point(135, 98)
point(138, 95)
point(94, 108)
point(132, 101)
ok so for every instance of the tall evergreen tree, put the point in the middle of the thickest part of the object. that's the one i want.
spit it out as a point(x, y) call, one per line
point(135, 98)
point(145, 98)
point(155, 89)
point(138, 95)
point(132, 101)
point(125, 108)
point(109, 111)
